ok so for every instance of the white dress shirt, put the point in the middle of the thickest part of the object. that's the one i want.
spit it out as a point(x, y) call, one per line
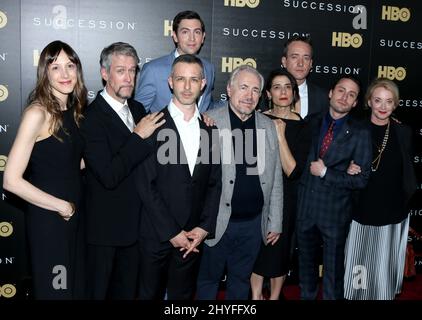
point(189, 133)
point(303, 94)
point(118, 107)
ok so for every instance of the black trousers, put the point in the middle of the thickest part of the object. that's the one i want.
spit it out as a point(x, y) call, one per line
point(163, 269)
point(113, 272)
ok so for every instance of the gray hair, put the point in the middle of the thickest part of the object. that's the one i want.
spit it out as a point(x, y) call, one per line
point(117, 48)
point(246, 68)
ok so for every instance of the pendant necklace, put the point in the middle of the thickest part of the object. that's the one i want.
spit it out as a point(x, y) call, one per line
point(376, 162)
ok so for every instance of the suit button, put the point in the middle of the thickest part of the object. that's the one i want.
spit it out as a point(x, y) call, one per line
point(228, 204)
point(231, 181)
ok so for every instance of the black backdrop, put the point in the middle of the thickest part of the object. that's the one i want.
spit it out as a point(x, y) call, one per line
point(376, 38)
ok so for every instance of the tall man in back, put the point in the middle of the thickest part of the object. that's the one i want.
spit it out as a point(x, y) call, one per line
point(153, 90)
point(297, 59)
point(114, 129)
point(325, 190)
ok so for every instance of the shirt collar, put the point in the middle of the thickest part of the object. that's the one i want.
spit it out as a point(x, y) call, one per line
point(337, 122)
point(175, 112)
point(176, 53)
point(114, 104)
point(303, 88)
point(237, 121)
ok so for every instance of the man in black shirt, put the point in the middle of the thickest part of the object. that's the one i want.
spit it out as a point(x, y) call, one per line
point(251, 203)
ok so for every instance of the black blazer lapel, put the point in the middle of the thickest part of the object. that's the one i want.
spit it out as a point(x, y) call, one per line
point(311, 97)
point(112, 115)
point(181, 154)
point(137, 113)
point(315, 131)
point(205, 146)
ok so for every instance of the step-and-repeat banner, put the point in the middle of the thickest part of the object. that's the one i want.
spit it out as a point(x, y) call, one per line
point(361, 38)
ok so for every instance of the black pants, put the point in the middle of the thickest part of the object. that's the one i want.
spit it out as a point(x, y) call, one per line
point(113, 272)
point(163, 268)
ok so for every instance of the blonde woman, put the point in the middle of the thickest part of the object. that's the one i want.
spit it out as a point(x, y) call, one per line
point(376, 245)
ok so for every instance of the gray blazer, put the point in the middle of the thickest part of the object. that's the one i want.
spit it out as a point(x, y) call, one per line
point(270, 175)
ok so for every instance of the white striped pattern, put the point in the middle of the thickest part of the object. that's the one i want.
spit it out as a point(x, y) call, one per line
point(374, 262)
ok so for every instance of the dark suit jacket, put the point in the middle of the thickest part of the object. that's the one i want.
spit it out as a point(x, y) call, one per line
point(317, 99)
point(111, 154)
point(328, 201)
point(408, 182)
point(173, 200)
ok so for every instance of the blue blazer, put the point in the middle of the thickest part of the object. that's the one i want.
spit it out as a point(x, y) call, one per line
point(153, 91)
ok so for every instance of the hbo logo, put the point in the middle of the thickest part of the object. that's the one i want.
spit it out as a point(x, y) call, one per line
point(230, 63)
point(7, 290)
point(241, 3)
point(392, 73)
point(395, 14)
point(6, 229)
point(345, 40)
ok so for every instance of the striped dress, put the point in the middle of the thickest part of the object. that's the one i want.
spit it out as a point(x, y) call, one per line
point(375, 258)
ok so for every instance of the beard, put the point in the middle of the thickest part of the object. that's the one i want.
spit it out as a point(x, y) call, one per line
point(122, 95)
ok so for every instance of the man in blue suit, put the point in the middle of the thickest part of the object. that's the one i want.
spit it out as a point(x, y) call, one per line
point(153, 90)
point(325, 190)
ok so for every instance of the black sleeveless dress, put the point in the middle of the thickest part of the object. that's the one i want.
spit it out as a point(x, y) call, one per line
point(56, 245)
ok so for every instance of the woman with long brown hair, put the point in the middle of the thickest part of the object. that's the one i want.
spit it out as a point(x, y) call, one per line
point(43, 168)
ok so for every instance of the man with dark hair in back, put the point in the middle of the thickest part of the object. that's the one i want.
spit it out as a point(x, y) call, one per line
point(153, 90)
point(297, 59)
